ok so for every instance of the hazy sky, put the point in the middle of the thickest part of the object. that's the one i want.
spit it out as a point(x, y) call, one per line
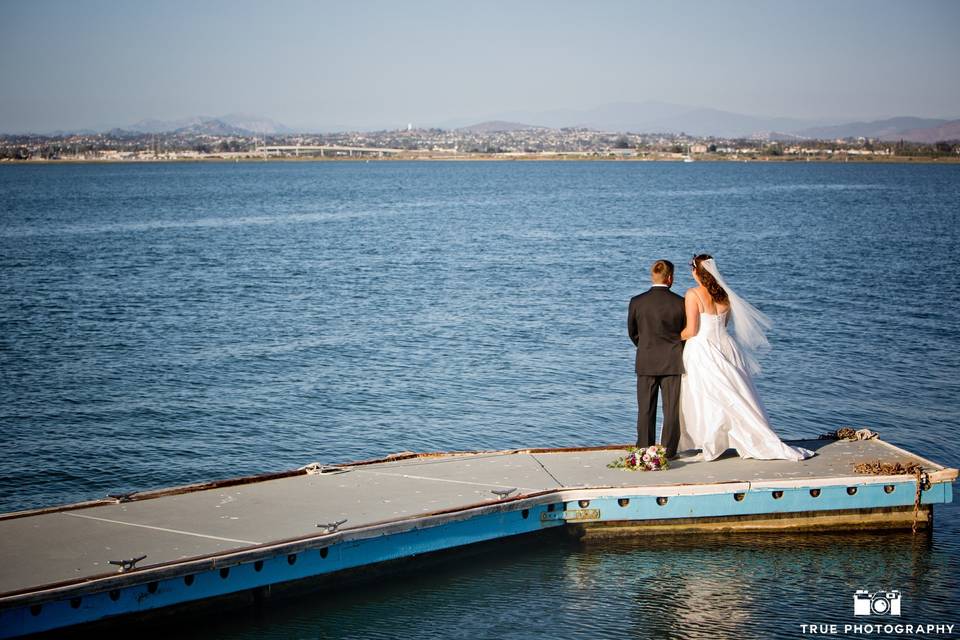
point(96, 64)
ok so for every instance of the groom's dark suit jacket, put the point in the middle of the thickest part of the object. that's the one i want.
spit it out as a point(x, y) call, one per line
point(654, 322)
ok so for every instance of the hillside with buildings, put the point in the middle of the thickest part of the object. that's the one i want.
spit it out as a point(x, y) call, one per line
point(215, 140)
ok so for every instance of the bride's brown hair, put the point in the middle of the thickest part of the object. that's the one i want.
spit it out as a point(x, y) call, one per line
point(709, 282)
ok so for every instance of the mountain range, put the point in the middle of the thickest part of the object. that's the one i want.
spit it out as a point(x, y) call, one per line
point(890, 128)
point(231, 124)
point(929, 135)
point(923, 130)
point(618, 117)
point(662, 117)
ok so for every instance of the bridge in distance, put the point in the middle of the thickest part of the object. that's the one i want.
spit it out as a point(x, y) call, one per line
point(294, 149)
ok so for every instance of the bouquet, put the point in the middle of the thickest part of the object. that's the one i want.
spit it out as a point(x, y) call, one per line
point(652, 458)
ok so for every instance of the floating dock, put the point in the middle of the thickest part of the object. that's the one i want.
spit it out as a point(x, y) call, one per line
point(151, 551)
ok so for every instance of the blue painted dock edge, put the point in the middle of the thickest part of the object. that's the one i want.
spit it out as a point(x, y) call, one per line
point(206, 578)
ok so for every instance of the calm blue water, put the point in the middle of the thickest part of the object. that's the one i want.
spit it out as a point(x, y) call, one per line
point(164, 324)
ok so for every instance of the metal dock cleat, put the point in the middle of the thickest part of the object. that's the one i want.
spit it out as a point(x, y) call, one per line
point(319, 469)
point(128, 565)
point(331, 527)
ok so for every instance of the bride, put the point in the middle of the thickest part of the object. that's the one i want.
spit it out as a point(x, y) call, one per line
point(719, 405)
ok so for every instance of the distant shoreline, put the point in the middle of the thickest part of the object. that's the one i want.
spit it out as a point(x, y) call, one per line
point(493, 157)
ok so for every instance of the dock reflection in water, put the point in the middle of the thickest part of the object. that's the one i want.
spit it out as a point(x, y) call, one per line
point(705, 586)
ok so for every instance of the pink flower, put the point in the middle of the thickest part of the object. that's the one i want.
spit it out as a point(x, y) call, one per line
point(652, 450)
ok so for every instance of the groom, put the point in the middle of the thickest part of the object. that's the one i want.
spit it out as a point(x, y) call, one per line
point(654, 322)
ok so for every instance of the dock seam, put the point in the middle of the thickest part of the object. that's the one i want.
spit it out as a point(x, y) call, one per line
point(543, 466)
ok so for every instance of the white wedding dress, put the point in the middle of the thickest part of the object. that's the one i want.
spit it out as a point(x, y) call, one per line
point(719, 405)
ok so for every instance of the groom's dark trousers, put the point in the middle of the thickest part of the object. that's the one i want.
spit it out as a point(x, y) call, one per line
point(654, 322)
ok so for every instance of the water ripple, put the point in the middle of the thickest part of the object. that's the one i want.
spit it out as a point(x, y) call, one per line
point(219, 320)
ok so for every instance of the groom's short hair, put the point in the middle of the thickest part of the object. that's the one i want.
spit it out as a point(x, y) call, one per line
point(661, 271)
